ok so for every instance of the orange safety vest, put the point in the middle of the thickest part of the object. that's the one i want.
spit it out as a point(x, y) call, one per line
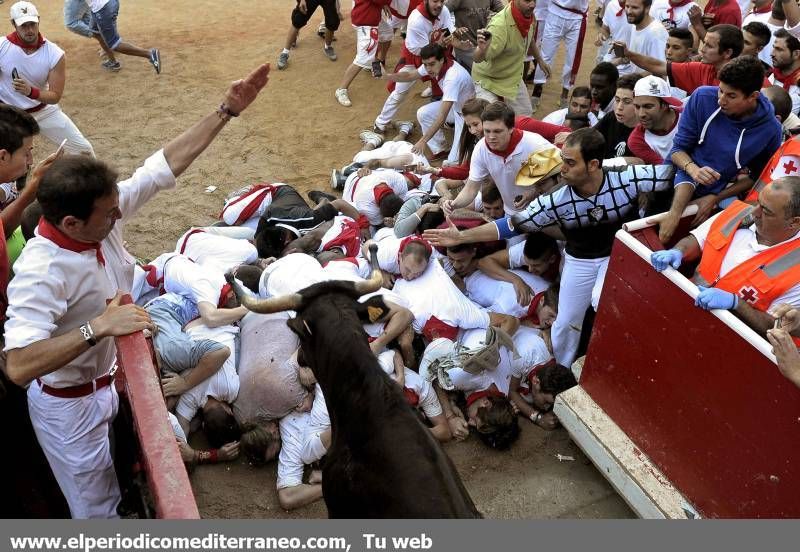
point(759, 280)
point(789, 147)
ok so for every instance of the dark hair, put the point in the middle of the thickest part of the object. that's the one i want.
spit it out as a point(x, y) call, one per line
point(581, 92)
point(591, 143)
point(498, 423)
point(730, 38)
point(550, 297)
point(219, 425)
point(72, 185)
point(254, 442)
point(433, 49)
point(745, 73)
point(555, 378)
point(474, 107)
point(778, 12)
point(462, 247)
point(538, 244)
point(607, 69)
point(628, 82)
point(490, 193)
point(647, 3)
point(30, 218)
point(792, 185)
point(249, 275)
point(684, 35)
point(390, 205)
point(761, 32)
point(15, 126)
point(780, 100)
point(269, 241)
point(791, 42)
point(430, 220)
point(498, 111)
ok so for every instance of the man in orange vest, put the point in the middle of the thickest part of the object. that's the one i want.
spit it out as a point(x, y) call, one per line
point(750, 256)
point(784, 162)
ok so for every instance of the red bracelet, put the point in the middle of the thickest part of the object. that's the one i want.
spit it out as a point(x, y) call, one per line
point(34, 93)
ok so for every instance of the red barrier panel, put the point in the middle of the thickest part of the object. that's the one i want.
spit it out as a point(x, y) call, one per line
point(711, 411)
point(166, 475)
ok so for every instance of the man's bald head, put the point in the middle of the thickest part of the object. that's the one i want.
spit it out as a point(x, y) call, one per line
point(780, 100)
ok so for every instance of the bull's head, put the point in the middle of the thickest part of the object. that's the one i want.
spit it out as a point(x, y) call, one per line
point(295, 301)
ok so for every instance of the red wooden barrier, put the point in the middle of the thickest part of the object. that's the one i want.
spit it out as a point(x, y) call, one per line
point(710, 410)
point(166, 475)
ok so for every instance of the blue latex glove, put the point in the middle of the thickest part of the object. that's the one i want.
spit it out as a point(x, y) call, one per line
point(669, 257)
point(713, 298)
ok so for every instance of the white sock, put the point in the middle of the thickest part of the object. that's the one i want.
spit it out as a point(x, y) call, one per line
point(285, 51)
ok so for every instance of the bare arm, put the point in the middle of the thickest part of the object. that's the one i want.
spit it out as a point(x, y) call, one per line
point(48, 355)
point(12, 214)
point(440, 429)
point(55, 84)
point(441, 117)
point(299, 495)
point(213, 317)
point(398, 319)
point(346, 209)
point(651, 65)
point(402, 76)
point(792, 12)
point(760, 321)
point(180, 152)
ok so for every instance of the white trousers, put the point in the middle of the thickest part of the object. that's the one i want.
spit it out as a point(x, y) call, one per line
point(56, 126)
point(556, 29)
point(427, 114)
point(395, 99)
point(73, 434)
point(521, 104)
point(581, 283)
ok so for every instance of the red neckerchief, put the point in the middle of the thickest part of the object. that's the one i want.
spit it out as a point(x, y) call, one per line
point(516, 137)
point(223, 295)
point(523, 23)
point(766, 8)
point(254, 197)
point(14, 38)
point(673, 5)
point(435, 328)
point(786, 80)
point(151, 276)
point(415, 180)
point(622, 7)
point(52, 233)
point(531, 315)
point(412, 239)
point(424, 11)
point(492, 391)
point(380, 191)
point(411, 396)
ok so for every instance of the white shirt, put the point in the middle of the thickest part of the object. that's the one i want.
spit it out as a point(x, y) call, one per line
point(421, 31)
point(359, 191)
point(532, 351)
point(485, 164)
point(33, 68)
point(435, 294)
point(334, 231)
point(96, 5)
point(293, 428)
point(617, 25)
point(650, 41)
point(499, 296)
point(680, 15)
point(198, 283)
point(219, 253)
point(55, 290)
point(235, 205)
point(290, 274)
point(743, 247)
point(457, 85)
point(559, 117)
point(578, 5)
point(223, 385)
point(794, 92)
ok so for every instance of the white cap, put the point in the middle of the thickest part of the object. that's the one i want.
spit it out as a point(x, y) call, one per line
point(24, 12)
point(655, 87)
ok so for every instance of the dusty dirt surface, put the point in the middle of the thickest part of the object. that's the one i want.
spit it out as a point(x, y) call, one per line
point(295, 133)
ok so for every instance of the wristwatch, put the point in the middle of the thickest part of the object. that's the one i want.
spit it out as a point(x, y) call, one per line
point(88, 334)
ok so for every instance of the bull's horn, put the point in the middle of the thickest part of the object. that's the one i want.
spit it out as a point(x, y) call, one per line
point(293, 301)
point(376, 278)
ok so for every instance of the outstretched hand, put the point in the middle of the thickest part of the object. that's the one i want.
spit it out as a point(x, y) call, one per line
point(444, 237)
point(242, 92)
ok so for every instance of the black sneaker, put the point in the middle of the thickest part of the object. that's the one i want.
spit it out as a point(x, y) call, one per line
point(317, 196)
point(155, 60)
point(347, 170)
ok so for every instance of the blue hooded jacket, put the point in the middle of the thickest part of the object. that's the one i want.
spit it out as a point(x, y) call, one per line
point(715, 140)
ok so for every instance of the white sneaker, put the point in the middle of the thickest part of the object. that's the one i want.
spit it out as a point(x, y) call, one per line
point(342, 97)
point(405, 127)
point(427, 93)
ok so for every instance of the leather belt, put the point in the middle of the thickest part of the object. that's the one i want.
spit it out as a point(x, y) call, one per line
point(77, 391)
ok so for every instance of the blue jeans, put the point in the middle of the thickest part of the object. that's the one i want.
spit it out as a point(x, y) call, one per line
point(78, 18)
point(105, 23)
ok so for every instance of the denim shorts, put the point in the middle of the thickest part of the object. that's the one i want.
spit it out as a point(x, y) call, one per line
point(105, 23)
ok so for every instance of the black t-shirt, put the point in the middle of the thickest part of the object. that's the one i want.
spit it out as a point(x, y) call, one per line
point(616, 135)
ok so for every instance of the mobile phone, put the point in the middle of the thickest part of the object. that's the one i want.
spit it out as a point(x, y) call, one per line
point(376, 69)
point(14, 73)
point(61, 146)
point(446, 33)
point(486, 34)
point(619, 50)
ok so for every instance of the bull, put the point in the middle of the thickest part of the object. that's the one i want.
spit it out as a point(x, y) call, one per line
point(382, 462)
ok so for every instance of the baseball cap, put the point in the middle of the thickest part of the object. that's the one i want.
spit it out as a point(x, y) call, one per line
point(24, 12)
point(655, 87)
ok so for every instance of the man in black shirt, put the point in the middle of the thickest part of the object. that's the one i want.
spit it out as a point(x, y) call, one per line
point(617, 127)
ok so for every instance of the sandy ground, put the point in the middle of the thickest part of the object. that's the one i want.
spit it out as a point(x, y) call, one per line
point(295, 133)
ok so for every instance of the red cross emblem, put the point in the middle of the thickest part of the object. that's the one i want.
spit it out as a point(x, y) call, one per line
point(790, 167)
point(749, 294)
